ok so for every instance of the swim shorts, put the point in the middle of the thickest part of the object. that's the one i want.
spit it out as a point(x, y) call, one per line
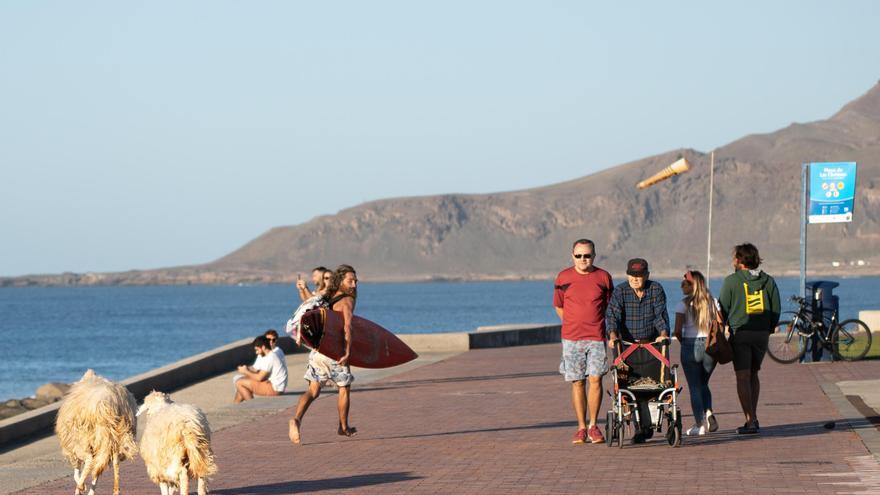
point(582, 358)
point(327, 371)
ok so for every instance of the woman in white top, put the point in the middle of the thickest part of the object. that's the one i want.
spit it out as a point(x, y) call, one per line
point(692, 318)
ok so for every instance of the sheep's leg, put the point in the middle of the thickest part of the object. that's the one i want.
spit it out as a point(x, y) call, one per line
point(86, 469)
point(98, 466)
point(163, 488)
point(184, 482)
point(203, 486)
point(115, 475)
point(76, 481)
point(93, 484)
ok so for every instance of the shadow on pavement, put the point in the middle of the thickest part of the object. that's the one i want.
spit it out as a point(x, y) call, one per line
point(318, 485)
point(774, 431)
point(727, 435)
point(557, 424)
point(415, 383)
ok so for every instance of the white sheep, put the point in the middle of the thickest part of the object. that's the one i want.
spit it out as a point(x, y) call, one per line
point(176, 444)
point(96, 426)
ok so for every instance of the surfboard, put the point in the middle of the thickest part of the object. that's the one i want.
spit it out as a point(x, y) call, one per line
point(371, 345)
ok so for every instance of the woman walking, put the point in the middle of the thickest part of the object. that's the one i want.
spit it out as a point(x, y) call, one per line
point(693, 315)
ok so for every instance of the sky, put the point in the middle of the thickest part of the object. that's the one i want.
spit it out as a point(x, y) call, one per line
point(140, 135)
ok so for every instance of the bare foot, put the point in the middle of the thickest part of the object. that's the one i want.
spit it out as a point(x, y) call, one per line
point(350, 432)
point(293, 433)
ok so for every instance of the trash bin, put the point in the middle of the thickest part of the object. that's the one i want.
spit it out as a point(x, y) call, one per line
point(823, 307)
point(824, 303)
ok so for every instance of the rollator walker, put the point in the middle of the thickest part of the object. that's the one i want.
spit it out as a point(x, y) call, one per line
point(645, 393)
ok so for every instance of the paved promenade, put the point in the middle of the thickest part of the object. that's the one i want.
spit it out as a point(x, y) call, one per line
point(500, 421)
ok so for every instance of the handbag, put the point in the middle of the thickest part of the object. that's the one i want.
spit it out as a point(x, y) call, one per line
point(717, 344)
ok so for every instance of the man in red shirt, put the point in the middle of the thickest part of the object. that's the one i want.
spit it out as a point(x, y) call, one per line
point(580, 297)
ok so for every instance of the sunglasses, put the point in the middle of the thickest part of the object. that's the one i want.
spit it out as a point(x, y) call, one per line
point(270, 339)
point(584, 256)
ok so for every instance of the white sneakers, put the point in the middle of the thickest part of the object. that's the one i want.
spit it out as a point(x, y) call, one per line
point(697, 430)
point(710, 419)
point(710, 424)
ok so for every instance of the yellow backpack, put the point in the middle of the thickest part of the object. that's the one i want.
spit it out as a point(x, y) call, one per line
point(754, 300)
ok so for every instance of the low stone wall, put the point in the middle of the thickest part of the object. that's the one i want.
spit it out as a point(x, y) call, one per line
point(167, 379)
point(224, 359)
point(437, 342)
point(509, 337)
point(872, 319)
point(483, 338)
point(199, 367)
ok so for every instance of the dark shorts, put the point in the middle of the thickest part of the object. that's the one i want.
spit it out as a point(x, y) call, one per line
point(749, 348)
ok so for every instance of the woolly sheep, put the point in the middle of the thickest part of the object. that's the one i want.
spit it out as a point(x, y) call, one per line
point(176, 444)
point(96, 426)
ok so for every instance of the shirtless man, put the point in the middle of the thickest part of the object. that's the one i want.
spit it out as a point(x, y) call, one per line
point(341, 297)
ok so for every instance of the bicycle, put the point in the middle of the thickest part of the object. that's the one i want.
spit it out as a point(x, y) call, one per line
point(849, 340)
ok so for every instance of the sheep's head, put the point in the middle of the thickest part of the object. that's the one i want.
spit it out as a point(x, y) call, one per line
point(153, 402)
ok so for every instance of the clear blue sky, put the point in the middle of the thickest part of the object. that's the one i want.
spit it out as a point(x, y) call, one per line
point(150, 134)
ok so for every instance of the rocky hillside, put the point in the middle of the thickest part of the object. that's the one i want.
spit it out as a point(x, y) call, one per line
point(528, 233)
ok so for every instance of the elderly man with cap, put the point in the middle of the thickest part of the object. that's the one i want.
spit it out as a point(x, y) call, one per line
point(637, 313)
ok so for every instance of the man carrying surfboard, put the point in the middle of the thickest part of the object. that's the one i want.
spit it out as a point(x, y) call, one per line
point(340, 296)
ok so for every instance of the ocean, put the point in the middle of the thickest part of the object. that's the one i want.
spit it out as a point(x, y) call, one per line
point(53, 334)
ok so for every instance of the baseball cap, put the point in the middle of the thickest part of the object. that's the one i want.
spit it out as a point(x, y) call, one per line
point(637, 267)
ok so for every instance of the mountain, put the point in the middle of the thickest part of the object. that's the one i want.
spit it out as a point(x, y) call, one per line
point(528, 233)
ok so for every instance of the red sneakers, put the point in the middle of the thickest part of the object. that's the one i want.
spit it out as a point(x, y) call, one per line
point(580, 436)
point(596, 435)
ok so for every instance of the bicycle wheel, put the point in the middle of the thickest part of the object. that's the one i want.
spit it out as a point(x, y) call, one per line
point(851, 340)
point(786, 345)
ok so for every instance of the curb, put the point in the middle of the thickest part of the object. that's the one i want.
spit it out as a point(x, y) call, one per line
point(856, 420)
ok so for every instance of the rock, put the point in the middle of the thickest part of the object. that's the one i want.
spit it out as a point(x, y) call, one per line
point(52, 391)
point(11, 408)
point(31, 404)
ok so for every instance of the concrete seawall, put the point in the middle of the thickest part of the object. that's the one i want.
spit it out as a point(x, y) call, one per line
point(223, 359)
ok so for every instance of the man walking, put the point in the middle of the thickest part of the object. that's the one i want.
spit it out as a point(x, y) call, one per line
point(637, 314)
point(750, 303)
point(580, 298)
point(341, 296)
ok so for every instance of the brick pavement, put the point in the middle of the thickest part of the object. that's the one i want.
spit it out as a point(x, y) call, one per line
point(500, 421)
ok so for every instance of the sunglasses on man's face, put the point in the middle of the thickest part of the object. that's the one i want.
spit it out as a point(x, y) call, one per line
point(584, 256)
point(270, 339)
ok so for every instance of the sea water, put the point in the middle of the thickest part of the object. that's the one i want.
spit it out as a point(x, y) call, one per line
point(56, 333)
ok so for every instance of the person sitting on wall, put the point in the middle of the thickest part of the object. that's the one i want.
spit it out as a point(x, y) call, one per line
point(266, 377)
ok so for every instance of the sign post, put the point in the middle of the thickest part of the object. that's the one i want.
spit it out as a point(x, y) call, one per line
point(709, 234)
point(832, 193)
point(805, 171)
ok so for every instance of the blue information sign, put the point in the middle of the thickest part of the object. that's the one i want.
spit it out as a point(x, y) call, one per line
point(832, 192)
